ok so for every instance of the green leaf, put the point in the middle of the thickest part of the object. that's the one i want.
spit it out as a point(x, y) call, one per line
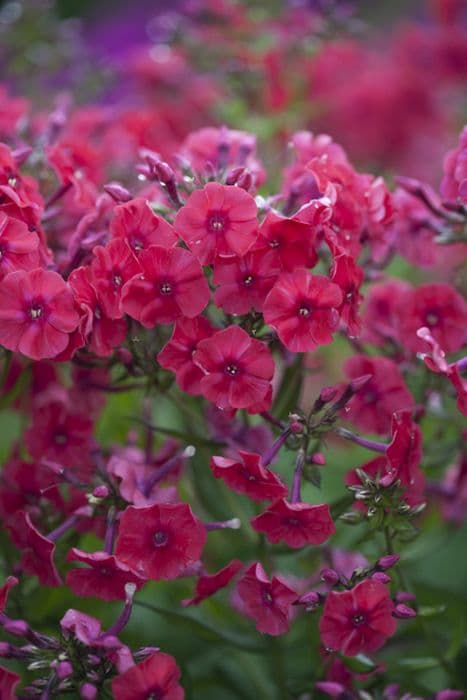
point(422, 663)
point(206, 632)
point(359, 664)
point(430, 610)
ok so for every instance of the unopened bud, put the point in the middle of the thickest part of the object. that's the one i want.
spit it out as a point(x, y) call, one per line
point(388, 561)
point(234, 175)
point(18, 628)
point(311, 599)
point(403, 612)
point(245, 181)
point(118, 193)
point(404, 597)
point(352, 517)
point(164, 172)
point(381, 577)
point(358, 383)
point(101, 491)
point(449, 694)
point(329, 576)
point(88, 691)
point(318, 458)
point(63, 669)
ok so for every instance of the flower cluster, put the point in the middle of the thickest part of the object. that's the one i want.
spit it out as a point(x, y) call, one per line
point(189, 340)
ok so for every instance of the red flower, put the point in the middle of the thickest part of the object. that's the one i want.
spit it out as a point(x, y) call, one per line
point(37, 551)
point(105, 579)
point(349, 277)
point(103, 332)
point(303, 309)
point(141, 227)
point(218, 220)
point(113, 265)
point(157, 676)
point(238, 368)
point(267, 602)
point(371, 408)
point(207, 585)
point(380, 318)
point(160, 541)
point(357, 621)
point(437, 307)
point(36, 313)
point(244, 281)
point(404, 453)
point(60, 435)
point(171, 285)
point(291, 241)
point(8, 682)
point(18, 246)
point(296, 524)
point(177, 354)
point(10, 581)
point(246, 475)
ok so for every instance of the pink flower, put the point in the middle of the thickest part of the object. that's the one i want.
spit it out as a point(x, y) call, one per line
point(296, 524)
point(357, 621)
point(105, 576)
point(136, 223)
point(113, 265)
point(244, 282)
point(37, 551)
point(177, 354)
point(157, 676)
point(246, 475)
point(438, 307)
point(372, 408)
point(303, 309)
point(37, 313)
point(238, 369)
point(267, 602)
point(208, 584)
point(18, 246)
point(160, 541)
point(171, 285)
point(218, 220)
point(454, 182)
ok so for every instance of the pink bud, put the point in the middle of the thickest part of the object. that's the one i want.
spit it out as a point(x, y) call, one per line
point(403, 612)
point(63, 669)
point(318, 458)
point(329, 576)
point(358, 383)
point(88, 691)
point(327, 394)
point(245, 181)
point(334, 690)
point(296, 427)
point(404, 597)
point(124, 356)
point(387, 561)
point(311, 599)
point(449, 694)
point(233, 175)
point(19, 628)
point(117, 192)
point(164, 172)
point(101, 491)
point(381, 577)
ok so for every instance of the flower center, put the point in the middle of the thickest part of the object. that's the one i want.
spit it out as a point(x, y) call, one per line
point(161, 538)
point(217, 222)
point(248, 280)
point(304, 311)
point(136, 244)
point(36, 311)
point(358, 619)
point(274, 243)
point(166, 288)
point(431, 318)
point(293, 521)
point(267, 598)
point(232, 370)
point(60, 438)
point(117, 280)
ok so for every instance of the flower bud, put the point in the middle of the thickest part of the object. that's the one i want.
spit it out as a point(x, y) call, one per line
point(311, 599)
point(18, 628)
point(403, 612)
point(449, 694)
point(381, 577)
point(88, 691)
point(101, 491)
point(329, 576)
point(387, 561)
point(117, 192)
point(63, 669)
point(318, 458)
